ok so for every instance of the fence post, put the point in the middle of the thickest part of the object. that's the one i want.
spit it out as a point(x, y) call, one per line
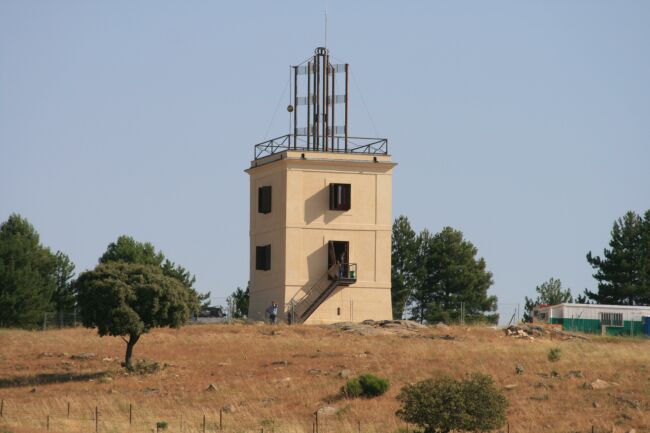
point(130, 413)
point(47, 423)
point(220, 419)
point(203, 423)
point(2, 408)
point(359, 426)
point(316, 421)
point(68, 410)
point(508, 427)
point(96, 419)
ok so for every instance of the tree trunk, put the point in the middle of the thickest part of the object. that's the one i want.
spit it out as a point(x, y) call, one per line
point(129, 351)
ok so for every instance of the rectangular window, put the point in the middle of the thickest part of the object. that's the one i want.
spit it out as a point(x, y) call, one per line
point(263, 258)
point(340, 196)
point(264, 199)
point(611, 319)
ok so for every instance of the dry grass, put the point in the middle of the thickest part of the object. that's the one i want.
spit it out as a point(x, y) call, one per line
point(239, 360)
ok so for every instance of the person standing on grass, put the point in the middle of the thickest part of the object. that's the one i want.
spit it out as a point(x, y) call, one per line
point(272, 311)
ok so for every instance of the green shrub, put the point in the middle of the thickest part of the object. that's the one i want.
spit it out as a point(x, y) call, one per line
point(352, 388)
point(372, 385)
point(366, 385)
point(445, 404)
point(161, 425)
point(554, 354)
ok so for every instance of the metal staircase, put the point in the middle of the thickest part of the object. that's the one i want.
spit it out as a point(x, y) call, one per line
point(304, 303)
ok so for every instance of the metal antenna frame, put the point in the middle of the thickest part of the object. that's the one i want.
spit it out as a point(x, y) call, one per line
point(321, 100)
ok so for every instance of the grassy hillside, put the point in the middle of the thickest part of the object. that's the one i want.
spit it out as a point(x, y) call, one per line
point(276, 378)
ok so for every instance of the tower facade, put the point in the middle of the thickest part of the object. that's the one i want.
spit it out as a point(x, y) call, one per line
point(321, 210)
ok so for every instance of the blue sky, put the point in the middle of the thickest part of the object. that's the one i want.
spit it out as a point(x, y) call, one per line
point(525, 124)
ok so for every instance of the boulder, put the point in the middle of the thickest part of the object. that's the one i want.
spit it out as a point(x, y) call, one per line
point(327, 411)
point(599, 384)
point(211, 388)
point(344, 373)
point(83, 356)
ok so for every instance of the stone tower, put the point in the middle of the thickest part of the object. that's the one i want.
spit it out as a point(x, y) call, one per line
point(320, 210)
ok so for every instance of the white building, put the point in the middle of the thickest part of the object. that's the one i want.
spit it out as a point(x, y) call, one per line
point(595, 318)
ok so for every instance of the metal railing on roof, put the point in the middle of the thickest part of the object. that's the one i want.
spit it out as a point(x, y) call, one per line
point(336, 144)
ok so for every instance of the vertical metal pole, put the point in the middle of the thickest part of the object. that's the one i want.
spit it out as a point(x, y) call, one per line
point(220, 419)
point(309, 102)
point(96, 419)
point(44, 321)
point(130, 414)
point(68, 409)
point(316, 101)
point(326, 110)
point(347, 87)
point(334, 108)
point(203, 423)
point(2, 408)
point(295, 107)
point(316, 421)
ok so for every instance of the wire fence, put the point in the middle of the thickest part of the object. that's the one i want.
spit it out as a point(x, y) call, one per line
point(88, 419)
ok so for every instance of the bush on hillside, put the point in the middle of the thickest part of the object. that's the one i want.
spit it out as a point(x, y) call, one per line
point(352, 388)
point(366, 385)
point(554, 354)
point(445, 404)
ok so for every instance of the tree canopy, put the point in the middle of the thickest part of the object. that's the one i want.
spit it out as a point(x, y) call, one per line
point(238, 302)
point(450, 274)
point(404, 251)
point(550, 292)
point(64, 296)
point(434, 274)
point(128, 250)
point(27, 274)
point(127, 300)
point(623, 273)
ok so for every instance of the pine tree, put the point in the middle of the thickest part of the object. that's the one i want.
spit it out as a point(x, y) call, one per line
point(550, 292)
point(404, 264)
point(63, 298)
point(450, 274)
point(623, 273)
point(27, 274)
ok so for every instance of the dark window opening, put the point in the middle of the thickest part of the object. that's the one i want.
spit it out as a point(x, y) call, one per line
point(263, 258)
point(338, 311)
point(611, 319)
point(338, 252)
point(340, 196)
point(264, 199)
